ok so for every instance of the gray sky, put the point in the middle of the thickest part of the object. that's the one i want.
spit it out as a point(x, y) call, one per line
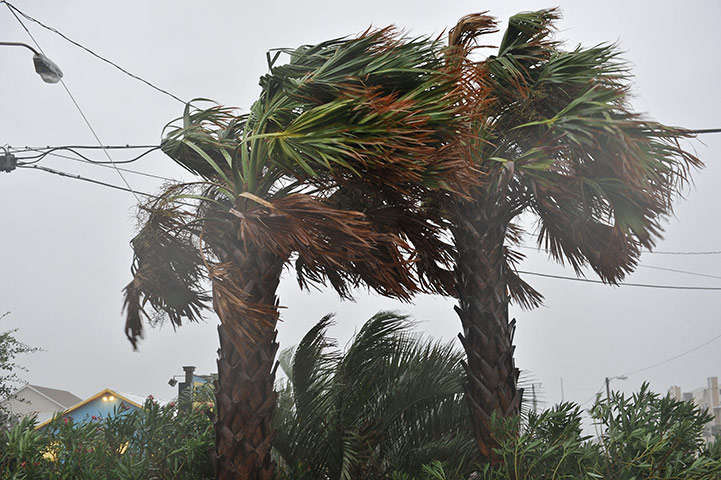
point(64, 253)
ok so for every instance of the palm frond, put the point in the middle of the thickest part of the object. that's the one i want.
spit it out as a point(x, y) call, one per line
point(380, 106)
point(391, 402)
point(166, 267)
point(563, 141)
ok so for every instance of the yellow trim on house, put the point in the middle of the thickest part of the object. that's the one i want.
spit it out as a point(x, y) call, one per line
point(94, 397)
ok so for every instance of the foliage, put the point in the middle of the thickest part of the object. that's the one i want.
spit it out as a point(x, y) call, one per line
point(158, 442)
point(390, 402)
point(10, 347)
point(645, 435)
point(559, 140)
point(650, 436)
point(558, 145)
point(327, 169)
point(328, 166)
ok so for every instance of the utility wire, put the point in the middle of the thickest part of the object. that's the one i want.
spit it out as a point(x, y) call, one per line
point(528, 247)
point(43, 153)
point(704, 130)
point(681, 271)
point(717, 252)
point(674, 357)
point(101, 164)
point(657, 364)
point(87, 122)
point(80, 147)
point(623, 284)
point(14, 9)
point(593, 396)
point(85, 179)
point(98, 182)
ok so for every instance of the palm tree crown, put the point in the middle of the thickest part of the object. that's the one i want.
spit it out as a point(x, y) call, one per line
point(327, 168)
point(557, 139)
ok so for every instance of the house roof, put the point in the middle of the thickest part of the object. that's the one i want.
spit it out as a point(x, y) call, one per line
point(135, 400)
point(62, 397)
point(107, 391)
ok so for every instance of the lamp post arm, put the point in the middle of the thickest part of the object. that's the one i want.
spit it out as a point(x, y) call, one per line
point(18, 44)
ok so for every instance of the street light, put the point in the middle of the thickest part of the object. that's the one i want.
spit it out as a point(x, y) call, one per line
point(46, 68)
point(608, 389)
point(608, 395)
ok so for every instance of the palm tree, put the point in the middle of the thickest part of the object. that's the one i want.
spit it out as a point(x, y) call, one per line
point(556, 139)
point(390, 402)
point(373, 122)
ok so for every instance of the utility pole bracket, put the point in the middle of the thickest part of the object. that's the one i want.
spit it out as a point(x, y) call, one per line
point(8, 162)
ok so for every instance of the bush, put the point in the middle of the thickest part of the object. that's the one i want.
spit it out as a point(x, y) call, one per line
point(158, 442)
point(644, 436)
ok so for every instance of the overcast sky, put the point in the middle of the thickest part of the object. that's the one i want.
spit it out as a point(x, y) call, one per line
point(64, 253)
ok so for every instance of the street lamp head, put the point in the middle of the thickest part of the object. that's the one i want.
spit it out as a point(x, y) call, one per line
point(47, 69)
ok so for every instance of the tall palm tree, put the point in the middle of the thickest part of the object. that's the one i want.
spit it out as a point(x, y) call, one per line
point(390, 402)
point(326, 170)
point(556, 139)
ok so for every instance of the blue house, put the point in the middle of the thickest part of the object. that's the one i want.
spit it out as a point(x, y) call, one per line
point(103, 404)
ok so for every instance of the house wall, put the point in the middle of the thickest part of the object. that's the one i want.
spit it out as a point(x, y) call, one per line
point(101, 408)
point(29, 402)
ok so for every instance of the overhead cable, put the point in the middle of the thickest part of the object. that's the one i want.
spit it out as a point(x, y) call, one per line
point(77, 106)
point(43, 153)
point(675, 356)
point(103, 164)
point(86, 179)
point(14, 9)
point(623, 284)
point(528, 247)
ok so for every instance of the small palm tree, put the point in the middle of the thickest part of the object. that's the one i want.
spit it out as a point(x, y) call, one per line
point(556, 139)
point(326, 170)
point(390, 402)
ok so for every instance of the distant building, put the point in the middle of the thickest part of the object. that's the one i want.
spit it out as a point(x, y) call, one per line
point(43, 402)
point(106, 403)
point(707, 398)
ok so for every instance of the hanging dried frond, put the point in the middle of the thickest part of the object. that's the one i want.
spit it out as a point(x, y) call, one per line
point(167, 266)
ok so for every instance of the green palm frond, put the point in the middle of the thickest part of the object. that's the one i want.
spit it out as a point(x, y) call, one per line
point(380, 107)
point(389, 402)
point(561, 140)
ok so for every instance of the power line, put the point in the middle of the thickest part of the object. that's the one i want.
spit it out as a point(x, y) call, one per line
point(80, 147)
point(716, 252)
point(675, 356)
point(704, 130)
point(681, 271)
point(657, 364)
point(528, 247)
point(654, 252)
point(99, 182)
point(624, 284)
point(82, 114)
point(593, 396)
point(86, 179)
point(43, 153)
point(14, 9)
point(101, 164)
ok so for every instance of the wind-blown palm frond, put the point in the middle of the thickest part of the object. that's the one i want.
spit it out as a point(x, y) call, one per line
point(389, 402)
point(167, 268)
point(558, 139)
point(381, 113)
point(563, 141)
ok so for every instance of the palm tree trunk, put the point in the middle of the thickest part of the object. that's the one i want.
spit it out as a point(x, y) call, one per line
point(482, 290)
point(244, 297)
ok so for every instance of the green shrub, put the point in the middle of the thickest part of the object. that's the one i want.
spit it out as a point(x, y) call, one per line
point(158, 442)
